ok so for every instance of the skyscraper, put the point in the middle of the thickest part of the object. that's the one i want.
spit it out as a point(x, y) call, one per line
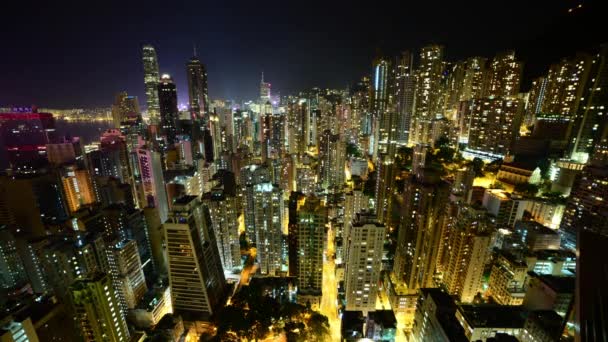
point(130, 273)
point(332, 155)
point(151, 182)
point(428, 91)
point(97, 309)
point(251, 176)
point(418, 240)
point(151, 78)
point(268, 212)
point(312, 217)
point(494, 124)
point(224, 216)
point(405, 83)
point(363, 263)
point(590, 120)
point(197, 90)
point(384, 187)
point(12, 271)
point(125, 108)
point(504, 75)
point(468, 251)
point(195, 270)
point(380, 99)
point(564, 86)
point(264, 91)
point(169, 114)
point(586, 208)
point(77, 187)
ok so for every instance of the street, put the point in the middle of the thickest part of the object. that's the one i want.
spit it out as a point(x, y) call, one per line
point(329, 306)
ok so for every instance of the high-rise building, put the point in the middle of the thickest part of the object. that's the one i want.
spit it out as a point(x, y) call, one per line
point(169, 114)
point(354, 202)
point(589, 123)
point(312, 217)
point(418, 240)
point(197, 90)
point(268, 218)
point(196, 276)
point(405, 85)
point(124, 109)
point(507, 280)
point(494, 124)
point(380, 99)
point(150, 172)
point(129, 272)
point(251, 176)
point(151, 79)
point(332, 155)
point(428, 92)
point(504, 75)
point(468, 251)
point(33, 201)
point(363, 263)
point(97, 309)
point(77, 187)
point(586, 208)
point(224, 216)
point(112, 158)
point(18, 329)
point(264, 91)
point(384, 187)
point(536, 98)
point(473, 82)
point(564, 86)
point(12, 271)
point(24, 134)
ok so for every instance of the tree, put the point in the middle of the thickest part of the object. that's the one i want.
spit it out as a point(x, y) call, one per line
point(442, 141)
point(545, 166)
point(526, 189)
point(369, 188)
point(352, 151)
point(319, 326)
point(477, 165)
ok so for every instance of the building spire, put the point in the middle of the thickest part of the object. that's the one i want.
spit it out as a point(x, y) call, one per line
point(262, 77)
point(194, 48)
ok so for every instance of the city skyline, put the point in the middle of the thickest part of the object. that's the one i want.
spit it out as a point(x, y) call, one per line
point(454, 189)
point(293, 57)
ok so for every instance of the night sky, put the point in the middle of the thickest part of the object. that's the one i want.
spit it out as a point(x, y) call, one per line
point(79, 55)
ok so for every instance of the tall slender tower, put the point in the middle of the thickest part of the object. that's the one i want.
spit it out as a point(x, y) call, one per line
point(424, 201)
point(264, 91)
point(363, 263)
point(167, 97)
point(96, 305)
point(197, 90)
point(428, 91)
point(405, 84)
point(151, 78)
point(195, 269)
point(312, 217)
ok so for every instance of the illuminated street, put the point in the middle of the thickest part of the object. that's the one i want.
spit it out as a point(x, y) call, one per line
point(329, 306)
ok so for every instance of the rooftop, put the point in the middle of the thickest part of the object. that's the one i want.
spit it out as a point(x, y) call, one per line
point(493, 316)
point(560, 284)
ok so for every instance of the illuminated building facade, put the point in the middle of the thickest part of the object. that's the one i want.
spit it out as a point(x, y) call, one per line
point(196, 276)
point(312, 217)
point(363, 263)
point(151, 79)
point(169, 115)
point(97, 307)
point(24, 135)
point(197, 90)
